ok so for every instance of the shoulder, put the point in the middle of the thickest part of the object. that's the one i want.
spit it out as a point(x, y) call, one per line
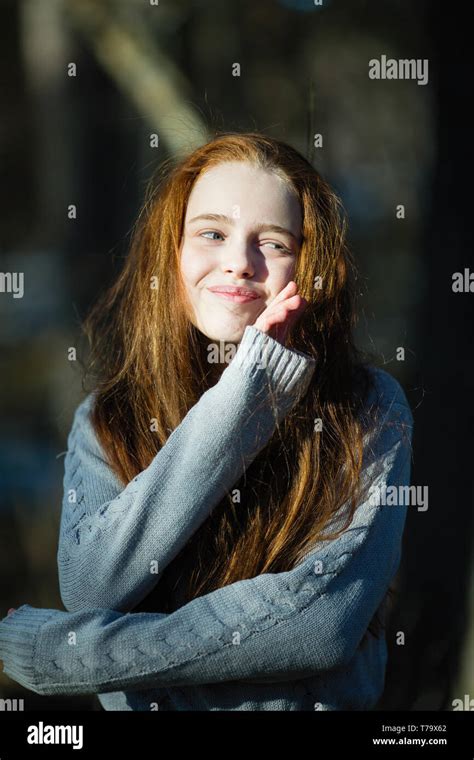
point(388, 437)
point(83, 410)
point(386, 393)
point(82, 430)
point(387, 418)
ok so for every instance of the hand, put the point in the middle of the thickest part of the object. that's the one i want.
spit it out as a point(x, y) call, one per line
point(12, 609)
point(285, 309)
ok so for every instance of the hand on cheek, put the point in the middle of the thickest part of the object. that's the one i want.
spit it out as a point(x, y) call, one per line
point(282, 313)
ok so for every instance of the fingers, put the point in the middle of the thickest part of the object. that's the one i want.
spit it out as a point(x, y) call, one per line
point(292, 303)
point(288, 312)
point(295, 304)
point(289, 289)
point(282, 312)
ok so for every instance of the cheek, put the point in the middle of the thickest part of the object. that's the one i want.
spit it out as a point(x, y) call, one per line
point(280, 275)
point(193, 266)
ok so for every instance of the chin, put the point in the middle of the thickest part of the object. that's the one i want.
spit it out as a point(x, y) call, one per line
point(230, 334)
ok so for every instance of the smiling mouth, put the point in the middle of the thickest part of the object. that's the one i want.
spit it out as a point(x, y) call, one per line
point(237, 295)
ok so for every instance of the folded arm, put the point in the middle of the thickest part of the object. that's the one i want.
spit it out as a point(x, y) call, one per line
point(273, 627)
point(115, 542)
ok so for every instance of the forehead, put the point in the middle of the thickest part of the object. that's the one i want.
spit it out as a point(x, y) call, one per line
point(259, 194)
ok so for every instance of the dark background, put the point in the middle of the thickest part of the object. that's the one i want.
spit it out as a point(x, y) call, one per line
point(85, 140)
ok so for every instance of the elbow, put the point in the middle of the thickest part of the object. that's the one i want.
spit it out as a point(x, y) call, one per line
point(334, 646)
point(81, 596)
point(77, 589)
point(80, 590)
point(68, 589)
point(346, 642)
point(72, 598)
point(338, 651)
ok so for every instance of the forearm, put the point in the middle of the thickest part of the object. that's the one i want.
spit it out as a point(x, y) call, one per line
point(111, 554)
point(272, 627)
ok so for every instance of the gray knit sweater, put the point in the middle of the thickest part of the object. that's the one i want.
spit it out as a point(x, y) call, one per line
point(294, 640)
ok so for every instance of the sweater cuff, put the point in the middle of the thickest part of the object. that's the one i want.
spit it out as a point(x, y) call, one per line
point(18, 639)
point(289, 370)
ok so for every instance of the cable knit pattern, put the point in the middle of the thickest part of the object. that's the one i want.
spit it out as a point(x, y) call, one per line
point(294, 640)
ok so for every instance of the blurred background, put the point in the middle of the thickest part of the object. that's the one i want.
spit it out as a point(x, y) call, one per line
point(153, 79)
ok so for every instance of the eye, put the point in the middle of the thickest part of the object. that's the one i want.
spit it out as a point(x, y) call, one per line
point(211, 232)
point(281, 247)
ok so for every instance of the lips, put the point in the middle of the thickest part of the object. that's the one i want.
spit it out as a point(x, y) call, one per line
point(234, 291)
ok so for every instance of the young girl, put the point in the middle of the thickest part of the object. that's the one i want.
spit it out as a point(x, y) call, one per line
point(223, 545)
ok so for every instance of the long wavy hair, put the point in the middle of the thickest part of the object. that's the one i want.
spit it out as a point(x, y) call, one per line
point(149, 363)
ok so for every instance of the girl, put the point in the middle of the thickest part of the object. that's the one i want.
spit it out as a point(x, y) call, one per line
point(222, 541)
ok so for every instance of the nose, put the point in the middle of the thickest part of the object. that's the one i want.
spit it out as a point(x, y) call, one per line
point(238, 258)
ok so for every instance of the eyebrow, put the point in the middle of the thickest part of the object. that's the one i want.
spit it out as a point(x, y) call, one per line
point(261, 228)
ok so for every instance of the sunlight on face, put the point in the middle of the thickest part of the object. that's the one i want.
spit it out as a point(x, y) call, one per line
point(254, 247)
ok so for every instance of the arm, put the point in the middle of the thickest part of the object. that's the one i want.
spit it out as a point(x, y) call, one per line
point(273, 627)
point(110, 535)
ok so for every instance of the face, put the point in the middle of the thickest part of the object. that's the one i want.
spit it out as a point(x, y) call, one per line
point(242, 229)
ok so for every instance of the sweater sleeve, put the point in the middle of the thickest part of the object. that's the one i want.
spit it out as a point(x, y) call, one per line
point(115, 542)
point(273, 627)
